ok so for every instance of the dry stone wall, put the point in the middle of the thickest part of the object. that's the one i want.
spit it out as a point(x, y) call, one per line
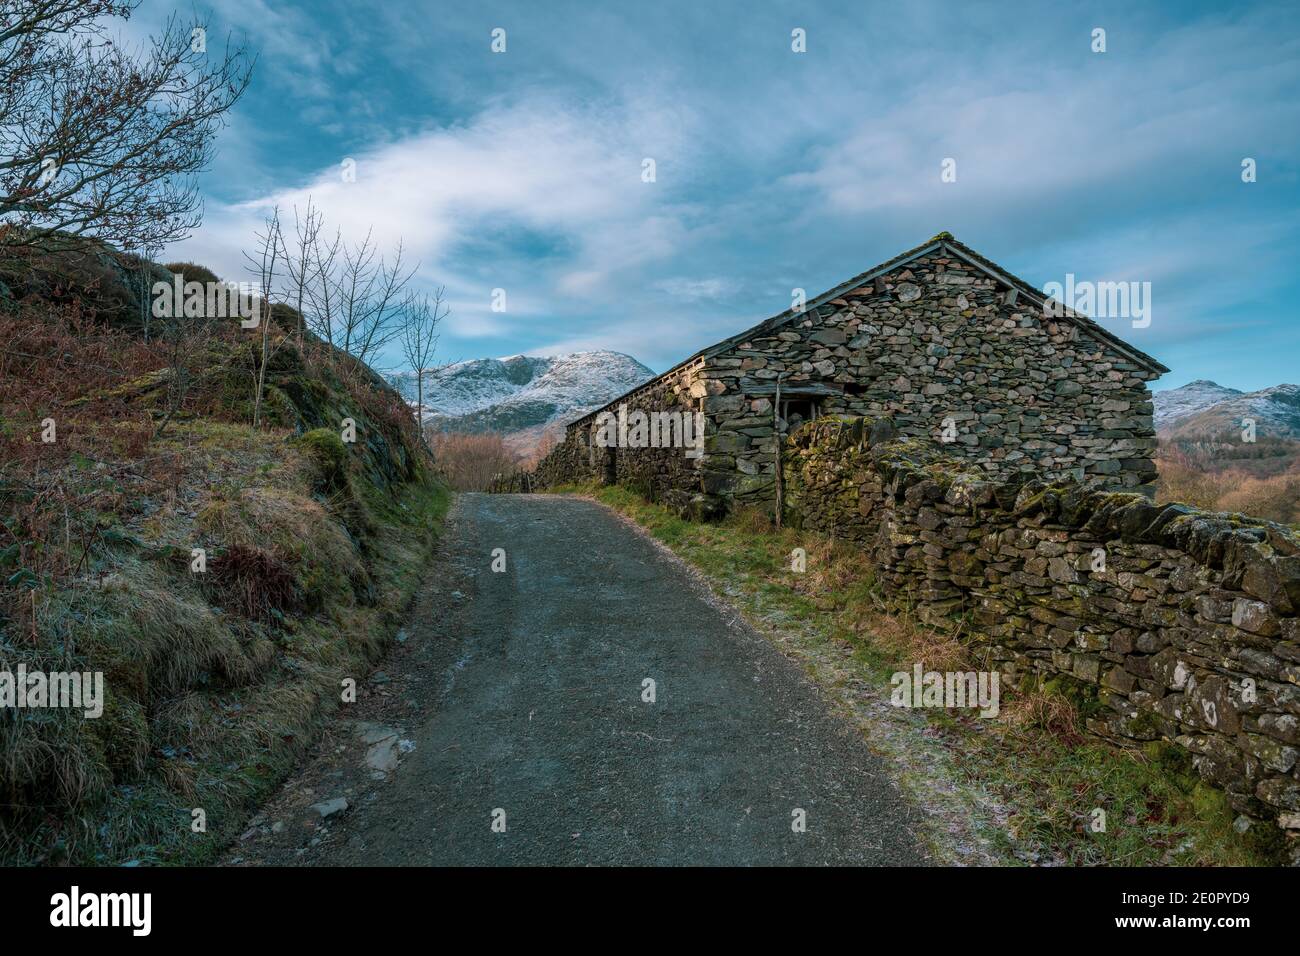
point(1181, 623)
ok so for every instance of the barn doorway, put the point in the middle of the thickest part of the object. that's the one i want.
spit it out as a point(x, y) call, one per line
point(797, 409)
point(610, 475)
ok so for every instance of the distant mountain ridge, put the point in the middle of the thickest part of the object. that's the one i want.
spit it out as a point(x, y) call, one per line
point(1207, 408)
point(522, 393)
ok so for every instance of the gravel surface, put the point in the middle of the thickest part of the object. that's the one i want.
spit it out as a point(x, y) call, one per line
point(521, 691)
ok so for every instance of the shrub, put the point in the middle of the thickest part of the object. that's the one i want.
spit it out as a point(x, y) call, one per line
point(326, 450)
point(469, 462)
point(192, 272)
point(1275, 498)
point(254, 582)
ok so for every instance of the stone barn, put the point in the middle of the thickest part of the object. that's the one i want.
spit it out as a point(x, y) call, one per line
point(939, 340)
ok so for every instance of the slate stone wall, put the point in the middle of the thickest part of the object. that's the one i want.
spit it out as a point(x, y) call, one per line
point(1183, 623)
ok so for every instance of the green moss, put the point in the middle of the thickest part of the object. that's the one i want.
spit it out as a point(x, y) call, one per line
point(1146, 723)
point(1169, 758)
point(1082, 695)
point(326, 449)
point(123, 730)
point(277, 410)
point(1209, 804)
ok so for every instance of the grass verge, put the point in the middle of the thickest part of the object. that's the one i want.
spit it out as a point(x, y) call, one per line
point(215, 682)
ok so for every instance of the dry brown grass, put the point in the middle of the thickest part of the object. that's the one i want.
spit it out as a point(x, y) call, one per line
point(1045, 711)
point(751, 520)
point(255, 582)
point(909, 640)
point(157, 637)
point(832, 567)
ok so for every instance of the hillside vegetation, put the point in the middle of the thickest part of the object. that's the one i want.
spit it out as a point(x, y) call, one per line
point(126, 448)
point(1223, 449)
point(1260, 479)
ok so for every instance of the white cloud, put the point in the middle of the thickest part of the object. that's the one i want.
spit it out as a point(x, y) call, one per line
point(535, 172)
point(1056, 128)
point(697, 290)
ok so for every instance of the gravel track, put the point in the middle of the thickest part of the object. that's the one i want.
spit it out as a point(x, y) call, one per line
point(522, 691)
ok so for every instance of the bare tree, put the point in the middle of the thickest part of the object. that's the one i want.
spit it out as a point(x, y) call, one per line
point(470, 462)
point(264, 263)
point(300, 262)
point(143, 261)
point(422, 313)
point(350, 296)
point(99, 141)
point(320, 299)
point(369, 294)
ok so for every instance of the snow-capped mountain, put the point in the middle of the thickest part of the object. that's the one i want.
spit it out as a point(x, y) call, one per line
point(1206, 408)
point(1175, 404)
point(522, 392)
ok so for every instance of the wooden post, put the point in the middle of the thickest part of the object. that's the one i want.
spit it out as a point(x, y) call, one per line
point(780, 443)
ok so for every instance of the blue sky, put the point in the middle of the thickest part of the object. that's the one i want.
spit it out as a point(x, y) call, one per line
point(774, 169)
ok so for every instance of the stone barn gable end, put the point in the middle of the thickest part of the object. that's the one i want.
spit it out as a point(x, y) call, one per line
point(942, 342)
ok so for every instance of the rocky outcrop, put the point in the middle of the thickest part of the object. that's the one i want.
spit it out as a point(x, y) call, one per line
point(1182, 624)
point(103, 283)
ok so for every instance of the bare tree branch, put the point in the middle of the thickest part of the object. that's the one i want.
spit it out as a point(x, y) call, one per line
point(265, 263)
point(422, 313)
point(98, 141)
point(350, 296)
point(299, 261)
